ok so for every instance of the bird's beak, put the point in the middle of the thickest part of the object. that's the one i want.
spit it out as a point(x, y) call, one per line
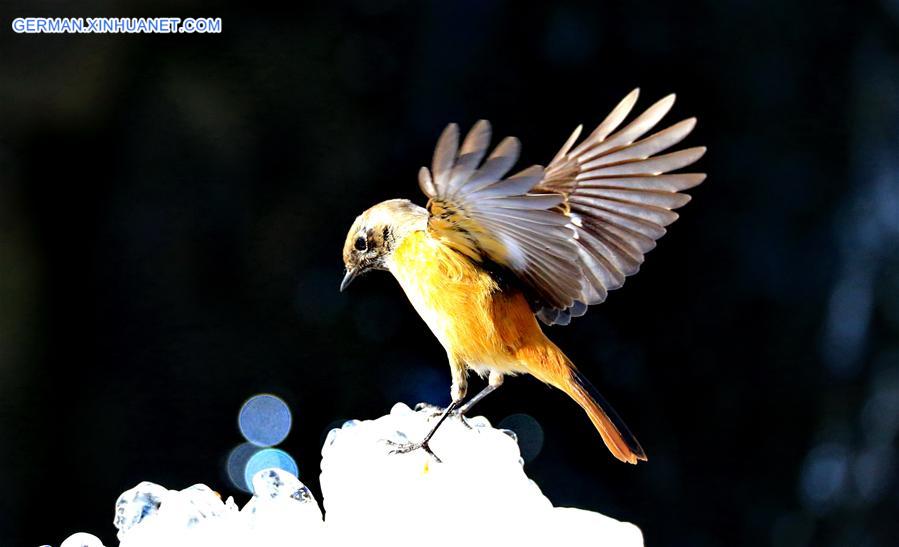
point(347, 279)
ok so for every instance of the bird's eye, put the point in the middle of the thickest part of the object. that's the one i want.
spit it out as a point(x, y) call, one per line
point(360, 243)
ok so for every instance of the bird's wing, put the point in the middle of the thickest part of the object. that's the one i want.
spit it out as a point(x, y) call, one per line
point(573, 231)
point(619, 194)
point(476, 211)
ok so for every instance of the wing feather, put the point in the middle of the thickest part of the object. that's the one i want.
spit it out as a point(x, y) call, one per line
point(665, 200)
point(659, 183)
point(619, 195)
point(654, 215)
point(654, 166)
point(445, 154)
point(575, 230)
point(634, 130)
point(497, 165)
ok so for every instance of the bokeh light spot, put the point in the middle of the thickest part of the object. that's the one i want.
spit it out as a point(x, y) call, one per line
point(264, 420)
point(265, 459)
point(529, 433)
point(824, 476)
point(237, 463)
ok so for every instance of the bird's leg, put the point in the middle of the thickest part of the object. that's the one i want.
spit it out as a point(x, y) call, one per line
point(495, 380)
point(457, 392)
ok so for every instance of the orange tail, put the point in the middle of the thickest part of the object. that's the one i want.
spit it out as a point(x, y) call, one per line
point(618, 438)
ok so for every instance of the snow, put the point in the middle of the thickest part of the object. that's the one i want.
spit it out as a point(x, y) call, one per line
point(478, 495)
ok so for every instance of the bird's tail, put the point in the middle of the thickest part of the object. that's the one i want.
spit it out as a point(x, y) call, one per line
point(618, 438)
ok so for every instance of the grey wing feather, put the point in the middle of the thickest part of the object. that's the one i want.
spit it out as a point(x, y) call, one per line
point(573, 231)
point(619, 196)
point(486, 215)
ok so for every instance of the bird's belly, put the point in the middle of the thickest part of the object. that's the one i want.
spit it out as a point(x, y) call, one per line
point(434, 315)
point(452, 306)
point(460, 302)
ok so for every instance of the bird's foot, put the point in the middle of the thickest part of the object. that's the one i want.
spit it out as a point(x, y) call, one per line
point(405, 448)
point(460, 412)
point(435, 411)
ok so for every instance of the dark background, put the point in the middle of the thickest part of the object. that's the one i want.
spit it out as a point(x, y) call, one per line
point(172, 212)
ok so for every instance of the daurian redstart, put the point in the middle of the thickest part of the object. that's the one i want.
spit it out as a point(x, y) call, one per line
point(491, 254)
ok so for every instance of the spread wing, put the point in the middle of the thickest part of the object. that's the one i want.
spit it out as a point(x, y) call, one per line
point(490, 218)
point(573, 231)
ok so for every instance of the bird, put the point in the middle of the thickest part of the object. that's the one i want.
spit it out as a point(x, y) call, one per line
point(492, 256)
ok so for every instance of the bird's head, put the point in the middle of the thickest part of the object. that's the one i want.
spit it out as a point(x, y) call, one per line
point(376, 233)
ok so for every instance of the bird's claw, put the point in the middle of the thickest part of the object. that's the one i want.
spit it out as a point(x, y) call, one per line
point(436, 411)
point(406, 447)
point(458, 413)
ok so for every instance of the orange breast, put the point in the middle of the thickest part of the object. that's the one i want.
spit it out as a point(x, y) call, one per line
point(461, 303)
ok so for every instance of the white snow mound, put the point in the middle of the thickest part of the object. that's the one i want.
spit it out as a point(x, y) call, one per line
point(478, 495)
